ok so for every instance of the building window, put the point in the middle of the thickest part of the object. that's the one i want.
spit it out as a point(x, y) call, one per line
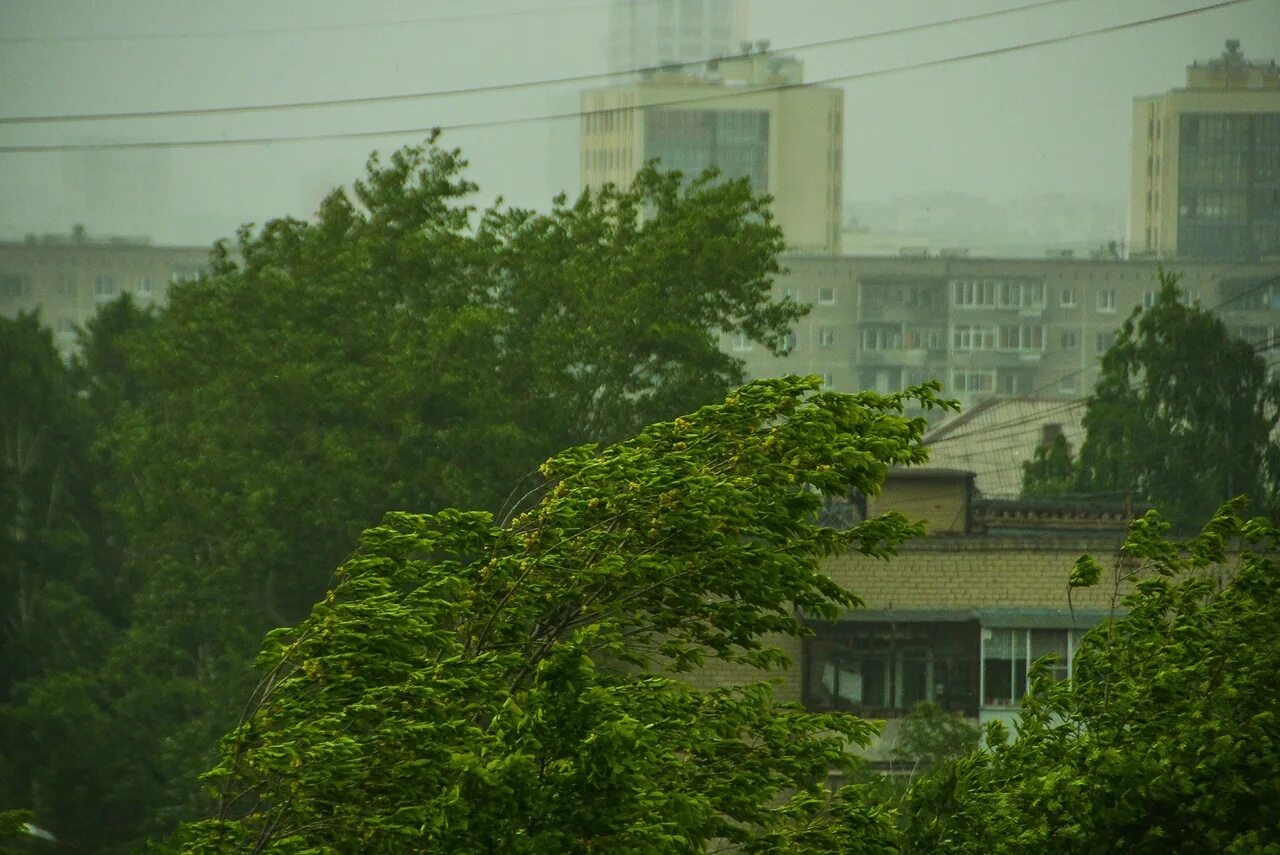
point(66, 327)
point(1105, 340)
point(104, 289)
point(972, 381)
point(1070, 340)
point(13, 285)
point(1022, 337)
point(827, 296)
point(1148, 299)
point(826, 336)
point(969, 337)
point(787, 343)
point(827, 379)
point(1106, 299)
point(973, 293)
point(1007, 655)
point(882, 338)
point(741, 342)
point(1067, 298)
point(144, 286)
point(1067, 383)
point(881, 667)
point(925, 339)
point(66, 286)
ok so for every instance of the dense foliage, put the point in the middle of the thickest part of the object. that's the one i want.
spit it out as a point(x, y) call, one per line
point(1051, 471)
point(474, 684)
point(1183, 415)
point(1165, 738)
point(193, 480)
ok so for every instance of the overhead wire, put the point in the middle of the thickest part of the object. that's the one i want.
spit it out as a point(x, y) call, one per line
point(501, 87)
point(677, 102)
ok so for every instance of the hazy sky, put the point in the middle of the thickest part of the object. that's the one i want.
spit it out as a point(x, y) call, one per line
point(1052, 119)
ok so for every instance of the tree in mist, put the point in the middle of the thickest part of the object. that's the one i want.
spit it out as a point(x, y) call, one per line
point(1051, 471)
point(1183, 415)
point(474, 683)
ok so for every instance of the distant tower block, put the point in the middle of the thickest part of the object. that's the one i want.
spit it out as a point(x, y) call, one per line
point(1206, 163)
point(648, 33)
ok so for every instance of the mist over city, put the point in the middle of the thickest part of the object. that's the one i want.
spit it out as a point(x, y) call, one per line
point(640, 426)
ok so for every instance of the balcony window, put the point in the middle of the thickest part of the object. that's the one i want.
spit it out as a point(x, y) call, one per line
point(878, 668)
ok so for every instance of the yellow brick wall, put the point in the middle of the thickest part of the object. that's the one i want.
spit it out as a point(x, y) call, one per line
point(944, 573)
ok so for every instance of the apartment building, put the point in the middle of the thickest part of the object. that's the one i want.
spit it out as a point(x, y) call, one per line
point(1206, 163)
point(67, 276)
point(958, 616)
point(747, 115)
point(988, 327)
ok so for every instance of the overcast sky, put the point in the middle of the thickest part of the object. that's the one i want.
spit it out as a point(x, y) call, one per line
point(1053, 119)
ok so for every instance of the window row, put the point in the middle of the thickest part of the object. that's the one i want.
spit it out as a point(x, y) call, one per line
point(14, 285)
point(1021, 337)
point(878, 668)
point(996, 293)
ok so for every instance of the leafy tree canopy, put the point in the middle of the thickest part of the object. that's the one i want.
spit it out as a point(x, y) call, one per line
point(1183, 414)
point(1051, 471)
point(480, 684)
point(1164, 739)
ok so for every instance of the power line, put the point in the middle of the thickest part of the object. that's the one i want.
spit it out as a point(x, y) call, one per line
point(303, 28)
point(495, 87)
point(718, 96)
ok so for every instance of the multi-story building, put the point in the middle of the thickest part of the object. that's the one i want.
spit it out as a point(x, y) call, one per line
point(748, 116)
point(648, 33)
point(1206, 163)
point(988, 327)
point(66, 277)
point(958, 616)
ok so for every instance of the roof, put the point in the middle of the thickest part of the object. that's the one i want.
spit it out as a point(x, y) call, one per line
point(994, 437)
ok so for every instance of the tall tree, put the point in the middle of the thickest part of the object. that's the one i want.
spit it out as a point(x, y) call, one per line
point(400, 351)
point(1183, 414)
point(1050, 471)
point(474, 685)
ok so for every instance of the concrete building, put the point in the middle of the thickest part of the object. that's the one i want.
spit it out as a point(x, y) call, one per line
point(67, 277)
point(958, 616)
point(988, 327)
point(648, 33)
point(747, 115)
point(1206, 163)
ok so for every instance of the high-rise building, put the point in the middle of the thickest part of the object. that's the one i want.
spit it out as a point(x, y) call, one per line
point(750, 116)
point(1206, 163)
point(647, 33)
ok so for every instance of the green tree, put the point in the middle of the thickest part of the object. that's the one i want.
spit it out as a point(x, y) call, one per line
point(402, 350)
point(62, 607)
point(1164, 738)
point(477, 685)
point(1051, 471)
point(1183, 414)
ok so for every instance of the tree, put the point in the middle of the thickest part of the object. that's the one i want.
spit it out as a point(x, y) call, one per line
point(474, 684)
point(1050, 471)
point(1183, 414)
point(400, 351)
point(1164, 738)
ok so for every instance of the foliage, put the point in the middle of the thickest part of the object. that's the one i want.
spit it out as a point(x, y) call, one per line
point(1183, 414)
point(930, 735)
point(480, 684)
point(1051, 471)
point(401, 350)
point(1164, 739)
